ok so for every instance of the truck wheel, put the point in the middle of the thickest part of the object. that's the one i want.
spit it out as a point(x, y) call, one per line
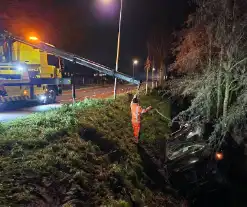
point(52, 97)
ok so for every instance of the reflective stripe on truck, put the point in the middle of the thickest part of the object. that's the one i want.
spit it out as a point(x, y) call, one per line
point(5, 99)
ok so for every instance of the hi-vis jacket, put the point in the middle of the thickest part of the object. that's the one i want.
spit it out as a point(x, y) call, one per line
point(136, 112)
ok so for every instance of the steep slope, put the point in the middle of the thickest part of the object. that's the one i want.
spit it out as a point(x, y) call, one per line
point(81, 155)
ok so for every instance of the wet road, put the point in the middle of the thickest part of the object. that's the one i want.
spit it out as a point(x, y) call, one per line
point(81, 94)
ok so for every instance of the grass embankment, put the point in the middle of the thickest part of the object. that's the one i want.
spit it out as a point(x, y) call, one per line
point(80, 155)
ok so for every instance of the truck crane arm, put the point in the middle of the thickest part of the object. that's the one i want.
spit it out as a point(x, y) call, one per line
point(72, 58)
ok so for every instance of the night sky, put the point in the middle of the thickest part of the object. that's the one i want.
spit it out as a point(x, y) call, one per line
point(90, 30)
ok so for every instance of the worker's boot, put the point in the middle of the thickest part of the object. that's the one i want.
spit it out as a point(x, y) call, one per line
point(136, 140)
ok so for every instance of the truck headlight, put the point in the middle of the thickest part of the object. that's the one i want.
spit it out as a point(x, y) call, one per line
point(42, 97)
point(20, 68)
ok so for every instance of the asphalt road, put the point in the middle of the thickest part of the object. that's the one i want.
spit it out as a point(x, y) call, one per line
point(81, 94)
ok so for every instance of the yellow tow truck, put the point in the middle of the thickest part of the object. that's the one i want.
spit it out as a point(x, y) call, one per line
point(28, 73)
point(32, 69)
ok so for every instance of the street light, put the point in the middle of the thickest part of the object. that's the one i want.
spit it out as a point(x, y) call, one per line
point(108, 2)
point(135, 62)
point(118, 46)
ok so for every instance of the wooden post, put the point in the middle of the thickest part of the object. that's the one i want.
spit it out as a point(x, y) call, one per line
point(147, 81)
point(73, 88)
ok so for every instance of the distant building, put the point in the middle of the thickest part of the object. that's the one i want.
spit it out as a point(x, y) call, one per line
point(99, 75)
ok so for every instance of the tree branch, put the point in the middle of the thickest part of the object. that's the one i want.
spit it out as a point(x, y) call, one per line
point(238, 63)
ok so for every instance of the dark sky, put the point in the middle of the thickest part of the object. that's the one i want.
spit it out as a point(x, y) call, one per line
point(80, 26)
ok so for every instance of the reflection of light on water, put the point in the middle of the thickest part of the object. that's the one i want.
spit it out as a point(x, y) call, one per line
point(192, 161)
point(197, 131)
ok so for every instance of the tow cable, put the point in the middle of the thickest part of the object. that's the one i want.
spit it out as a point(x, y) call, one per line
point(162, 115)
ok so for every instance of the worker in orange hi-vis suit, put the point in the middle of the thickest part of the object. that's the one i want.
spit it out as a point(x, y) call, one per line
point(136, 112)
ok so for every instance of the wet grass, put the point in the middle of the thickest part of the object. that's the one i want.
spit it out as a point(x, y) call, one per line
point(80, 155)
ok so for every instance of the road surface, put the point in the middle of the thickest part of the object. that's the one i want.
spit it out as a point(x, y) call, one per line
point(81, 94)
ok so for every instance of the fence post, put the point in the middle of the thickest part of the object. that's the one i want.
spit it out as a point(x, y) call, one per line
point(73, 88)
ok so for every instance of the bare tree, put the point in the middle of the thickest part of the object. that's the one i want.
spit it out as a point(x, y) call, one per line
point(158, 49)
point(220, 88)
point(147, 69)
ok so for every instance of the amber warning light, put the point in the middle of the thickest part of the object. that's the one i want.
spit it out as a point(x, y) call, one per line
point(25, 93)
point(33, 38)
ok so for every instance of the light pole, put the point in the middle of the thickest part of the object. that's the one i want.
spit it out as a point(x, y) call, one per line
point(157, 77)
point(118, 47)
point(107, 2)
point(153, 70)
point(135, 62)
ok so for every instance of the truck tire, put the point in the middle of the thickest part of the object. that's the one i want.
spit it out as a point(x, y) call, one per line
point(52, 96)
point(3, 93)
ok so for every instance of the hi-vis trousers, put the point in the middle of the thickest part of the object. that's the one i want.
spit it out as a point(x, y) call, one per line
point(136, 129)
